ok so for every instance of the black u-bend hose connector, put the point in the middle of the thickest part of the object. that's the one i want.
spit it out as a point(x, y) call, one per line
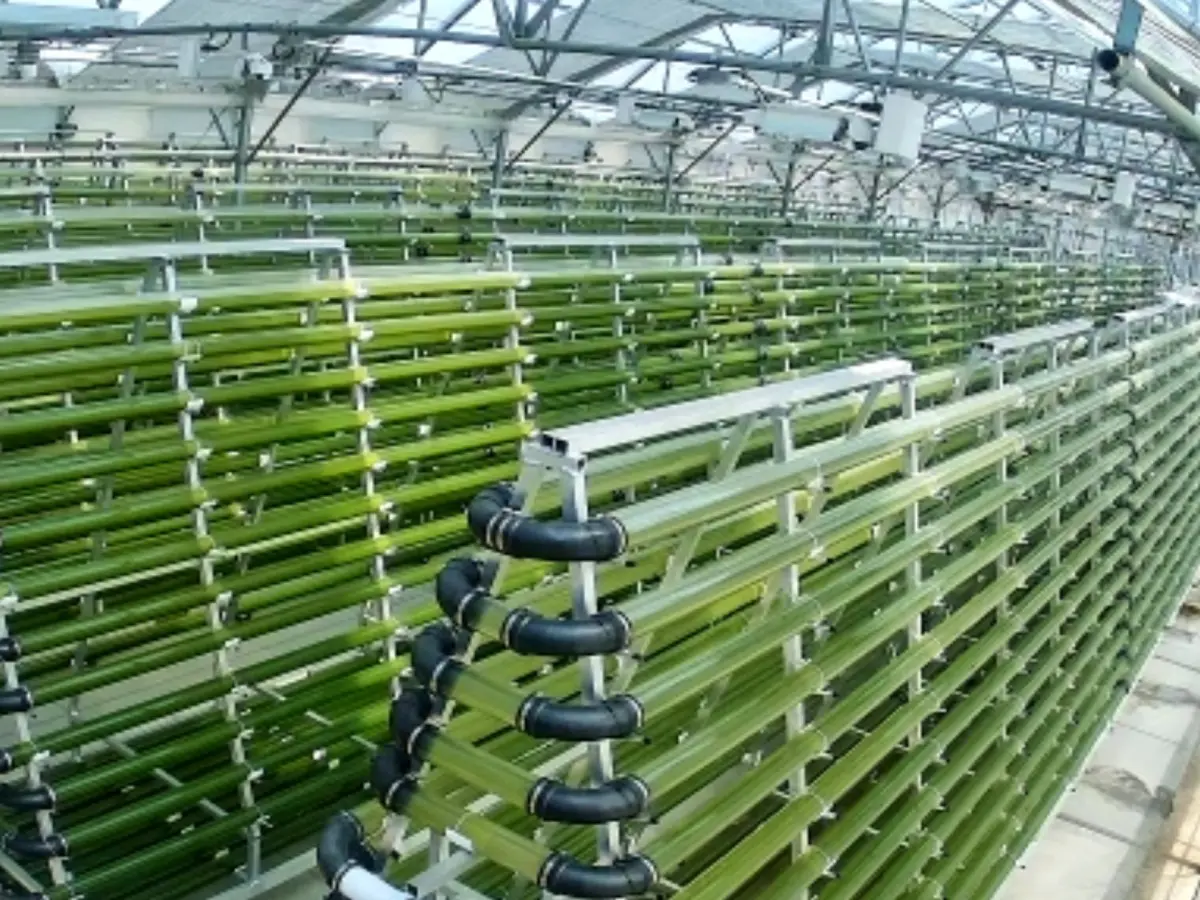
point(497, 525)
point(628, 876)
point(16, 700)
point(617, 800)
point(437, 670)
point(10, 651)
point(35, 847)
point(394, 785)
point(21, 798)
point(348, 864)
point(462, 595)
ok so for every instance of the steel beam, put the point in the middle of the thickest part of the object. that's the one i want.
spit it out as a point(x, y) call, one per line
point(975, 39)
point(498, 167)
point(550, 57)
point(823, 54)
point(615, 52)
point(431, 37)
point(703, 154)
point(541, 18)
point(317, 68)
point(537, 135)
point(854, 30)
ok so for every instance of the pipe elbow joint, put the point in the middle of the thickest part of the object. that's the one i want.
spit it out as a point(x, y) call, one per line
point(529, 633)
point(408, 722)
point(629, 876)
point(433, 659)
point(498, 526)
point(53, 846)
point(10, 649)
point(16, 700)
point(460, 591)
point(463, 598)
point(27, 799)
point(619, 716)
point(348, 864)
point(392, 778)
point(615, 801)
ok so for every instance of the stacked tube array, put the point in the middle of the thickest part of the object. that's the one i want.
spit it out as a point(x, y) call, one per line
point(982, 577)
point(212, 508)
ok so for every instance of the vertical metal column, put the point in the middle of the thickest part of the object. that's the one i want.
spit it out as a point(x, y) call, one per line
point(784, 447)
point(913, 575)
point(998, 426)
point(1055, 445)
point(585, 603)
point(90, 604)
point(504, 256)
point(381, 609)
point(219, 608)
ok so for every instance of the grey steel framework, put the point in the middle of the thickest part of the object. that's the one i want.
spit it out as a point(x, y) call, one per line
point(1012, 86)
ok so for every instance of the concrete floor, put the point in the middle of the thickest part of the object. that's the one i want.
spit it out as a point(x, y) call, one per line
point(308, 887)
point(1130, 828)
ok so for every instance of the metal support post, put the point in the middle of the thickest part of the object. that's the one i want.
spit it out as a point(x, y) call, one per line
point(316, 69)
point(498, 158)
point(793, 649)
point(585, 604)
point(913, 575)
point(668, 199)
point(219, 609)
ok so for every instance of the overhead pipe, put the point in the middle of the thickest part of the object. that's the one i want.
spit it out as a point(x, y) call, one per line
point(1126, 72)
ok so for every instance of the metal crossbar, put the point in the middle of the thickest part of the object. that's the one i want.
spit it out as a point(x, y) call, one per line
point(626, 430)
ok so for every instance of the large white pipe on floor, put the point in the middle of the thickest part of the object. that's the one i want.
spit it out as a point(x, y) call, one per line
point(1127, 72)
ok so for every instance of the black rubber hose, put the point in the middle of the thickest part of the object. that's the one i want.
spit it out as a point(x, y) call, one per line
point(630, 876)
point(410, 712)
point(342, 847)
point(614, 801)
point(15, 700)
point(498, 526)
point(462, 597)
point(436, 669)
point(392, 778)
point(10, 649)
point(20, 798)
point(35, 847)
point(617, 717)
point(617, 800)
point(7, 761)
point(433, 660)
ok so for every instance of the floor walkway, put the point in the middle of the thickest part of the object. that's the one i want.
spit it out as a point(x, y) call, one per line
point(1130, 829)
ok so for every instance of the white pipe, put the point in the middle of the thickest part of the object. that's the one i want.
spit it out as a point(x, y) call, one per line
point(359, 884)
point(1127, 72)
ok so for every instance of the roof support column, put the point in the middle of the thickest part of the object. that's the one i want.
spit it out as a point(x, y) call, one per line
point(669, 175)
point(537, 135)
point(498, 158)
point(244, 122)
point(823, 55)
point(788, 185)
